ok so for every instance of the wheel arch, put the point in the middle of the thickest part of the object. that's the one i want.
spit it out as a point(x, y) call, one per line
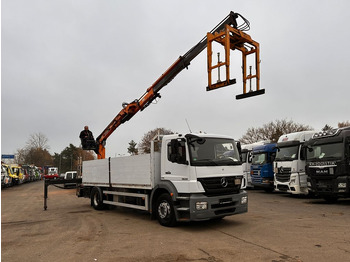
point(160, 189)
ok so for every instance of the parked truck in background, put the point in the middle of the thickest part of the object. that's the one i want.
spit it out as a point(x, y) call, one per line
point(328, 163)
point(13, 177)
point(246, 156)
point(189, 179)
point(261, 169)
point(52, 173)
point(290, 161)
point(6, 180)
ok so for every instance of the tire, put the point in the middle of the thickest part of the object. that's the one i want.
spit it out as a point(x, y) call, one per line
point(97, 199)
point(165, 211)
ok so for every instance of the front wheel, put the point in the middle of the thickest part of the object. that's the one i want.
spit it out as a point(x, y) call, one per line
point(97, 199)
point(165, 211)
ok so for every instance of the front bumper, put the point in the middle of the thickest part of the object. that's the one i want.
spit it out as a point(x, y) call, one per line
point(218, 206)
point(339, 186)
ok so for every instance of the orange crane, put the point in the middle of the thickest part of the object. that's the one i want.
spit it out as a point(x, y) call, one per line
point(227, 33)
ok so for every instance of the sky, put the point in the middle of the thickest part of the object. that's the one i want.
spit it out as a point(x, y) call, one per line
point(66, 64)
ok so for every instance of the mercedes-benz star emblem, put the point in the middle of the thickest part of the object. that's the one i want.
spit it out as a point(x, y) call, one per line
point(224, 182)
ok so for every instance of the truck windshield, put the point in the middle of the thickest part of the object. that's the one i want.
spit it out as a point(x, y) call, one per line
point(213, 152)
point(259, 159)
point(332, 151)
point(288, 153)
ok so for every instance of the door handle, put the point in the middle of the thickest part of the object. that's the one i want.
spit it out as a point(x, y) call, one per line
point(168, 173)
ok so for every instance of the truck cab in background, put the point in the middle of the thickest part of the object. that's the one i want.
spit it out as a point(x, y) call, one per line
point(246, 155)
point(52, 173)
point(328, 163)
point(261, 169)
point(6, 180)
point(290, 161)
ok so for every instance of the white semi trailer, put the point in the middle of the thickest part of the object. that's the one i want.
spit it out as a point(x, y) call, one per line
point(188, 177)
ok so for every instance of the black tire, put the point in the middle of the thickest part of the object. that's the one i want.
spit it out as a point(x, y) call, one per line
point(97, 199)
point(165, 211)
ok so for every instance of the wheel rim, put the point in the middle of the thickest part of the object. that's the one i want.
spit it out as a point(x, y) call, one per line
point(96, 201)
point(164, 209)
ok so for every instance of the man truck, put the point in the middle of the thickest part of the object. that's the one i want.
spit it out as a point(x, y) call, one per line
point(328, 164)
point(290, 163)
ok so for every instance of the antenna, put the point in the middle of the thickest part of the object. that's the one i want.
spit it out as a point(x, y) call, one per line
point(188, 126)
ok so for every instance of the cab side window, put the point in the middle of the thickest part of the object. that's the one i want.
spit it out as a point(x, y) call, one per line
point(177, 152)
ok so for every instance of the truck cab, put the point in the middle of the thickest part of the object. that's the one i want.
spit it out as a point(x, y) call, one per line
point(246, 157)
point(52, 173)
point(290, 163)
point(261, 169)
point(328, 163)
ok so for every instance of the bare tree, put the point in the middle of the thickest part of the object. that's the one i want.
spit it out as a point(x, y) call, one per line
point(344, 124)
point(272, 131)
point(145, 144)
point(38, 140)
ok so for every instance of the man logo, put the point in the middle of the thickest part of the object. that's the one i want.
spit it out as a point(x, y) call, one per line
point(224, 182)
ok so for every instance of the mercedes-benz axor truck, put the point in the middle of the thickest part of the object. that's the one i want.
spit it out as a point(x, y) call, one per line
point(189, 177)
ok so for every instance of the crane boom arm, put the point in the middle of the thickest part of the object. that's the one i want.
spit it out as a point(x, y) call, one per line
point(129, 110)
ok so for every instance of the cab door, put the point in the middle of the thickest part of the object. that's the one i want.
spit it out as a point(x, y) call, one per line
point(175, 164)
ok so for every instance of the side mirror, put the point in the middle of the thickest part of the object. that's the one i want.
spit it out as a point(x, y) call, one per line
point(239, 147)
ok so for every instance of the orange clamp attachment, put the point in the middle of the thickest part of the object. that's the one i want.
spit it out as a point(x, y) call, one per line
point(234, 39)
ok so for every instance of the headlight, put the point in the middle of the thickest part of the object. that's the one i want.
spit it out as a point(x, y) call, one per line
point(201, 205)
point(341, 185)
point(292, 181)
point(237, 181)
point(244, 200)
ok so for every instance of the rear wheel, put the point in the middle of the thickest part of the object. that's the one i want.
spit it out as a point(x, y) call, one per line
point(165, 211)
point(97, 199)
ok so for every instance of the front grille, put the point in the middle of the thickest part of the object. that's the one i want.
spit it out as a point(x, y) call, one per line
point(325, 186)
point(283, 174)
point(214, 186)
point(282, 177)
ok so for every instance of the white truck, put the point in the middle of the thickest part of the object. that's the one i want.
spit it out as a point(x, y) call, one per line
point(290, 163)
point(186, 178)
